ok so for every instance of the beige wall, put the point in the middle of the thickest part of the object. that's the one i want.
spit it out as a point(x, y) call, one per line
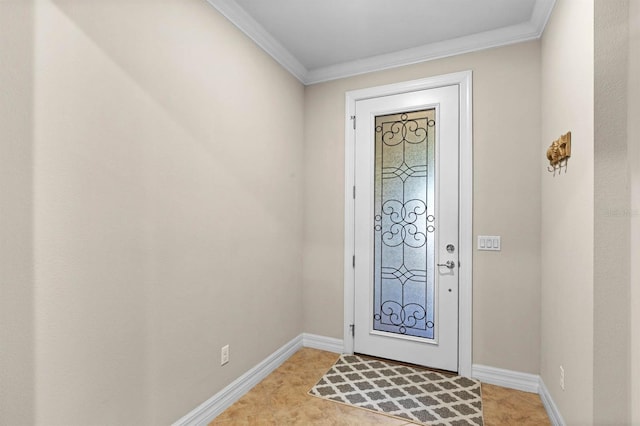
point(16, 208)
point(612, 215)
point(143, 168)
point(166, 206)
point(633, 139)
point(567, 210)
point(506, 84)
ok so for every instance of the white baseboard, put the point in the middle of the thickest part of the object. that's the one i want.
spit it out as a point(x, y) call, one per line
point(323, 343)
point(520, 381)
point(208, 410)
point(552, 410)
point(506, 378)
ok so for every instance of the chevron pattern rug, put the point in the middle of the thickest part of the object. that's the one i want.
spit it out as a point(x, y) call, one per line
point(409, 393)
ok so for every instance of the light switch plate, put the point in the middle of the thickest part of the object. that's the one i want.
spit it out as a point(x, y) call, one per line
point(489, 242)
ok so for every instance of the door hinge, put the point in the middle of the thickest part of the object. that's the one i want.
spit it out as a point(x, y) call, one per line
point(353, 260)
point(354, 192)
point(353, 118)
point(352, 327)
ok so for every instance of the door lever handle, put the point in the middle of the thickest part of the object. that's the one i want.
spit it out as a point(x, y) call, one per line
point(450, 264)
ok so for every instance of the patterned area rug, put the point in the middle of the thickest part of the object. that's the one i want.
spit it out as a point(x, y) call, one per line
point(410, 393)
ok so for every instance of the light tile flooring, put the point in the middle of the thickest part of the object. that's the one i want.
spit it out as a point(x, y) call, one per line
point(282, 399)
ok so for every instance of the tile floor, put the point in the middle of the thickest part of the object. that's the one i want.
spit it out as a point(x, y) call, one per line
point(281, 399)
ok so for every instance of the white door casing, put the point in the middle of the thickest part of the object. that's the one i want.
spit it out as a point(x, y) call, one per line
point(461, 83)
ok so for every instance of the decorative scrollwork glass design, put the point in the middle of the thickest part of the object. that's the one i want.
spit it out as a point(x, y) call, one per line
point(404, 223)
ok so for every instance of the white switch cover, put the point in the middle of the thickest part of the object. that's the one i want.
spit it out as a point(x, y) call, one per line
point(489, 242)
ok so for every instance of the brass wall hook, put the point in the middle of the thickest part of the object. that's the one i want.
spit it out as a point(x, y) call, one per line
point(558, 154)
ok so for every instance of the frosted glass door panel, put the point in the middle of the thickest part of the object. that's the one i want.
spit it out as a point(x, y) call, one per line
point(404, 223)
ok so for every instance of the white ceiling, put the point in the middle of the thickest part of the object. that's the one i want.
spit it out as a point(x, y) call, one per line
point(320, 40)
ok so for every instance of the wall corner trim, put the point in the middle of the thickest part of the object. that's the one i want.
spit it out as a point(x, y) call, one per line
point(506, 378)
point(256, 32)
point(552, 410)
point(208, 410)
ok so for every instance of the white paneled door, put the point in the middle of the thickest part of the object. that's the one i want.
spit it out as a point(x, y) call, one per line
point(406, 223)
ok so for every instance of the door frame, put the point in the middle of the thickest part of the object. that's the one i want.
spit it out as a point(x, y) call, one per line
point(465, 302)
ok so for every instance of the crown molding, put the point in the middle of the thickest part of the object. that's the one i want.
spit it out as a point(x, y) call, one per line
point(501, 37)
point(428, 52)
point(256, 32)
point(541, 14)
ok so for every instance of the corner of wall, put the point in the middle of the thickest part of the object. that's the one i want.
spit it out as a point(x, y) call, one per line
point(567, 245)
point(633, 139)
point(17, 298)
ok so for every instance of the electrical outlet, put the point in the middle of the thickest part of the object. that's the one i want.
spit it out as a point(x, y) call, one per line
point(561, 378)
point(224, 355)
